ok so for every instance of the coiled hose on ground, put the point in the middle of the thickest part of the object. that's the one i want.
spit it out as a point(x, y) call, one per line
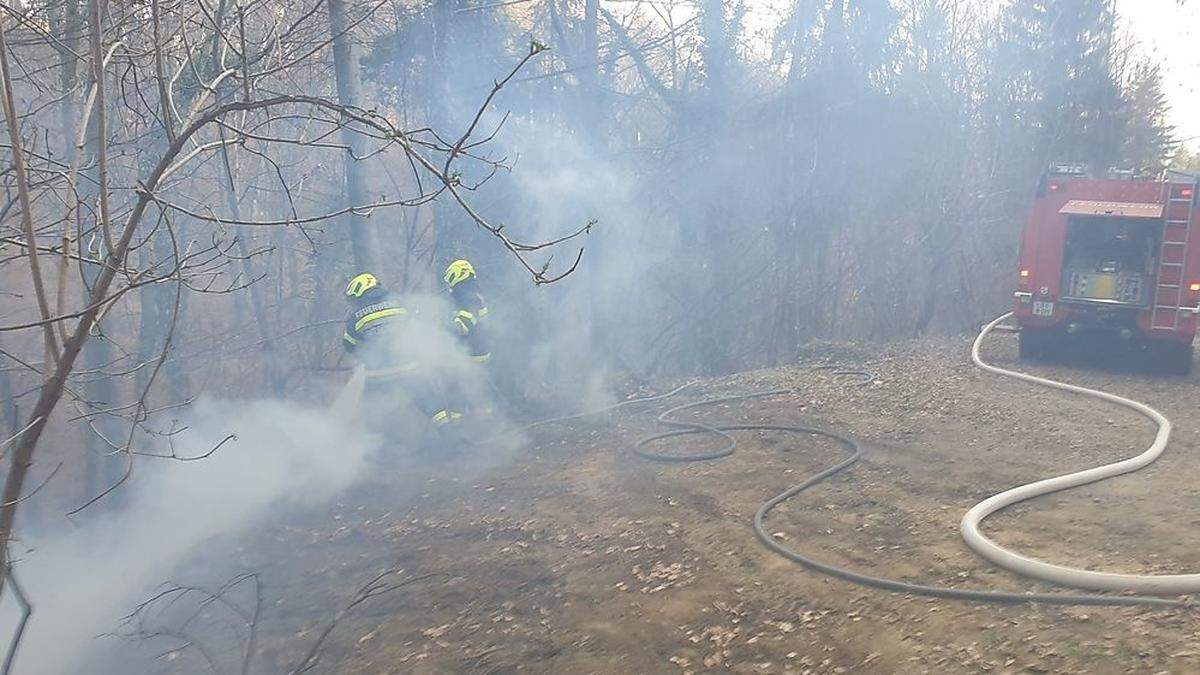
point(969, 526)
point(683, 428)
point(1020, 564)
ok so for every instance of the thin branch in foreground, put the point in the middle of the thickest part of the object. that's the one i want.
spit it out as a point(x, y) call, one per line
point(6, 442)
point(375, 587)
point(10, 656)
point(14, 133)
point(176, 610)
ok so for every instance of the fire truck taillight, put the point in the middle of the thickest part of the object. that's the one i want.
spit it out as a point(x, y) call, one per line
point(1054, 187)
point(1194, 288)
point(1186, 193)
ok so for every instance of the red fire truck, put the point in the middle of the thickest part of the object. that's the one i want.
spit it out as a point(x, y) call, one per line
point(1110, 260)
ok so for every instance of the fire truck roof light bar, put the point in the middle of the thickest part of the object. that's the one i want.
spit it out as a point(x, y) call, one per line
point(1068, 170)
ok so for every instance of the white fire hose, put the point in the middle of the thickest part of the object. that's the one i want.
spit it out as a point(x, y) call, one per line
point(1059, 574)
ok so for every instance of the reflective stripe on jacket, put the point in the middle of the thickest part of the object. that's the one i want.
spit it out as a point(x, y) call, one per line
point(365, 320)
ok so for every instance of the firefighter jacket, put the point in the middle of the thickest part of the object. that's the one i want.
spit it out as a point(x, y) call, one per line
point(469, 312)
point(374, 313)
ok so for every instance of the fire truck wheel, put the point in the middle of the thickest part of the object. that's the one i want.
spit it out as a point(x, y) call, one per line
point(1036, 345)
point(1171, 358)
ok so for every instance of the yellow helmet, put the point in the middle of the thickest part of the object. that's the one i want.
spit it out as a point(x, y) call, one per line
point(458, 272)
point(361, 284)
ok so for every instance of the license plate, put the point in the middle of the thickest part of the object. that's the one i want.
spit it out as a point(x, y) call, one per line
point(1041, 308)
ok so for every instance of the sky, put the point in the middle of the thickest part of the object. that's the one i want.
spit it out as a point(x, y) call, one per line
point(1170, 34)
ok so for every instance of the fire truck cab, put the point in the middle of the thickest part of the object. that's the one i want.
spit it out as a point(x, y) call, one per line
point(1111, 260)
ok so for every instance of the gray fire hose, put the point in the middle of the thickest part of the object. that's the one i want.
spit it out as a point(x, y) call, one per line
point(854, 452)
point(1153, 585)
point(1071, 576)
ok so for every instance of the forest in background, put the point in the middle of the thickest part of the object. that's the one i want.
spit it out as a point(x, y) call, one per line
point(190, 183)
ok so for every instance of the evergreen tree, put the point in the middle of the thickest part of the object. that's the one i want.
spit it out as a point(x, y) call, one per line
point(1055, 75)
point(1148, 136)
point(1186, 160)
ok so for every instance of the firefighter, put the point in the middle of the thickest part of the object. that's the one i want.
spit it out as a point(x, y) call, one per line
point(469, 318)
point(469, 308)
point(371, 335)
point(373, 310)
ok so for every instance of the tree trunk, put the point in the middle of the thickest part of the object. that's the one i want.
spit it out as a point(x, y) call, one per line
point(11, 411)
point(715, 49)
point(439, 112)
point(101, 468)
point(592, 98)
point(349, 92)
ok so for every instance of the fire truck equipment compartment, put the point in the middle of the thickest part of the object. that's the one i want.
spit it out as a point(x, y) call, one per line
point(1109, 260)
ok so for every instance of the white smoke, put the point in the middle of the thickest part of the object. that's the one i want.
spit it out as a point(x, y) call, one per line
point(85, 577)
point(83, 580)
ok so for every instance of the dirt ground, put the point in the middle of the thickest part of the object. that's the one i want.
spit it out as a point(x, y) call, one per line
point(575, 556)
